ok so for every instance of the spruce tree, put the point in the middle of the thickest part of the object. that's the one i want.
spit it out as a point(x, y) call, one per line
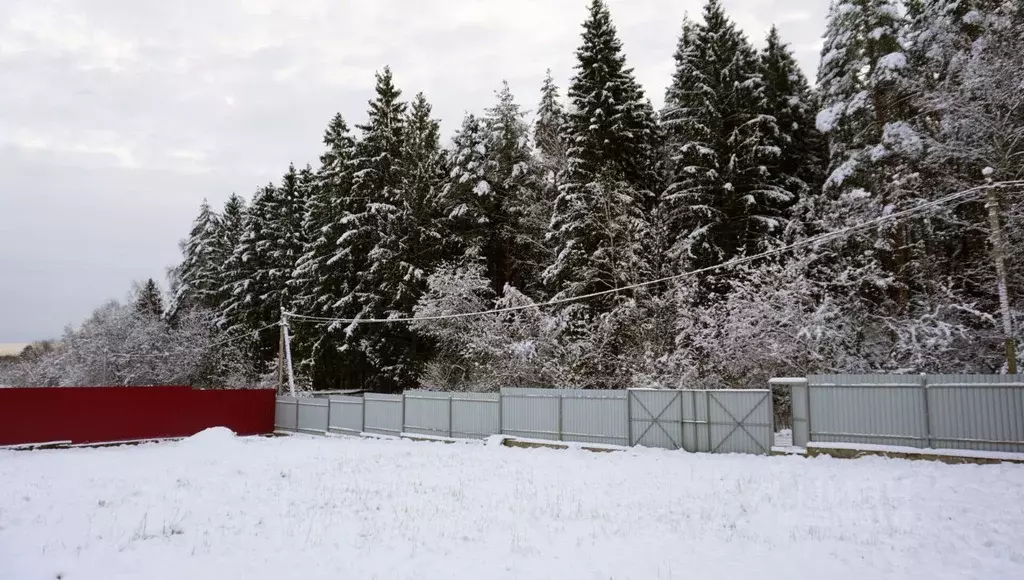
point(370, 246)
point(376, 176)
point(547, 131)
point(677, 118)
point(285, 240)
point(149, 302)
point(423, 170)
point(611, 130)
point(789, 98)
point(940, 34)
point(493, 193)
point(469, 198)
point(199, 274)
point(863, 82)
point(246, 308)
point(232, 223)
point(320, 279)
point(518, 182)
point(409, 247)
point(726, 196)
point(874, 147)
point(230, 229)
point(599, 224)
point(263, 262)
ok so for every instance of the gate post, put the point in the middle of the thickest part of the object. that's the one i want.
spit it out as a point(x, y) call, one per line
point(800, 403)
point(629, 417)
point(927, 413)
point(707, 417)
point(560, 437)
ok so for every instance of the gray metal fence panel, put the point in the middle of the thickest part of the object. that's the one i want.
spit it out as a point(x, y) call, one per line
point(669, 419)
point(592, 416)
point(285, 413)
point(981, 412)
point(346, 415)
point(694, 409)
point(740, 421)
point(428, 413)
point(531, 413)
point(656, 418)
point(476, 415)
point(313, 415)
point(382, 414)
point(871, 409)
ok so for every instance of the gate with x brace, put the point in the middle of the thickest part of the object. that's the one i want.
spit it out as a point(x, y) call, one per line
point(710, 421)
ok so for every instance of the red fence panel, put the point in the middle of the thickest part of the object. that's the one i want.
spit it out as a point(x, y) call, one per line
point(101, 414)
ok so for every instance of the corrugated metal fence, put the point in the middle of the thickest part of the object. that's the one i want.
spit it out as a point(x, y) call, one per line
point(977, 412)
point(740, 421)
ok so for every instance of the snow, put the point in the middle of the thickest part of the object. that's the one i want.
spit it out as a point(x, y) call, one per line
point(524, 348)
point(972, 17)
point(842, 173)
point(576, 445)
point(856, 194)
point(321, 508)
point(788, 381)
point(878, 32)
point(433, 438)
point(902, 138)
point(495, 440)
point(972, 453)
point(214, 438)
point(482, 188)
point(893, 61)
point(828, 118)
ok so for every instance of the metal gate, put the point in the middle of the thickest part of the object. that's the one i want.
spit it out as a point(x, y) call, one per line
point(725, 421)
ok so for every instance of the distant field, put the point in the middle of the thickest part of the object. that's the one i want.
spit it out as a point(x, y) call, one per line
point(12, 348)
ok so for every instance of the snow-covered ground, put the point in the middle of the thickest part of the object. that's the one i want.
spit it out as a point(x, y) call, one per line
point(305, 508)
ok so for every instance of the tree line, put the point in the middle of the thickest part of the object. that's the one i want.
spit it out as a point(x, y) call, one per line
point(601, 192)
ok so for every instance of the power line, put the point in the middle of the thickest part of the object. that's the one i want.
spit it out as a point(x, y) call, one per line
point(812, 241)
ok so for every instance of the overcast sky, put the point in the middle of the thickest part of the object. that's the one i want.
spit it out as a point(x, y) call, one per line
point(117, 118)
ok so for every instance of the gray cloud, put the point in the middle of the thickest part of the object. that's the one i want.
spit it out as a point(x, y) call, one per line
point(117, 119)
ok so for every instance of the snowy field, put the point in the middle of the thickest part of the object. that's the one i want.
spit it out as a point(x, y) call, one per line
point(304, 508)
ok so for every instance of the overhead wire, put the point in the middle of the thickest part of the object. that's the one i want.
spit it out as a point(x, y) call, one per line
point(812, 241)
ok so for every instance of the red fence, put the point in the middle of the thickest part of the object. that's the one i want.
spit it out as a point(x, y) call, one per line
point(100, 414)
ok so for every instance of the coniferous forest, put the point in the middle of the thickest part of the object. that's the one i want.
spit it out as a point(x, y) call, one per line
point(585, 188)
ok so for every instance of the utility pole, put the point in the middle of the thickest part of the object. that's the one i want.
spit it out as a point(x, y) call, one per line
point(280, 354)
point(288, 353)
point(999, 256)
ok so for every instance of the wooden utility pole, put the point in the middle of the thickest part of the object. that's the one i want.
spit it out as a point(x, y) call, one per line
point(999, 256)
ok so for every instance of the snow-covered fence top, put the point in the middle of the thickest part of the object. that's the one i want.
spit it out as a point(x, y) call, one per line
point(976, 412)
point(710, 421)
